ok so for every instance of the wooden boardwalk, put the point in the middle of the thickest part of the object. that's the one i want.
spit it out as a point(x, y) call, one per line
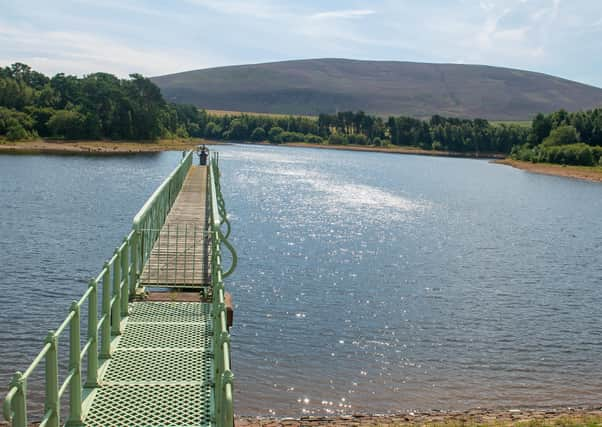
point(179, 257)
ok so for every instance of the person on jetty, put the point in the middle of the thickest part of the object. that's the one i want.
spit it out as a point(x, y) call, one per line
point(203, 153)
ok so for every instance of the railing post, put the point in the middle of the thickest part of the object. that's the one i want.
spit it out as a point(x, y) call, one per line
point(105, 351)
point(52, 381)
point(134, 263)
point(75, 366)
point(116, 309)
point(19, 402)
point(228, 409)
point(92, 370)
point(125, 276)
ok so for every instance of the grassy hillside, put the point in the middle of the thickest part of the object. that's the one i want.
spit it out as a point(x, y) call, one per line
point(314, 86)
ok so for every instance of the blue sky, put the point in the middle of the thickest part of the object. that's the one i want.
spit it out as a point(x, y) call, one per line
point(153, 37)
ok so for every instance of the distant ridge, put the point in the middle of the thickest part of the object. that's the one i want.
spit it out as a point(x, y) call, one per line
point(415, 89)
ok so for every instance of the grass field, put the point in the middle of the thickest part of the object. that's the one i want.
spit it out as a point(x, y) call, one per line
point(524, 123)
point(238, 113)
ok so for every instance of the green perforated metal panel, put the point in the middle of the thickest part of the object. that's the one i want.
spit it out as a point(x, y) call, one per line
point(161, 373)
point(167, 312)
point(151, 406)
point(166, 335)
point(169, 366)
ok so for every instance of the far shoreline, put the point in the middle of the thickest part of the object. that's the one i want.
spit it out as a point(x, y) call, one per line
point(99, 147)
point(585, 173)
point(104, 147)
point(110, 147)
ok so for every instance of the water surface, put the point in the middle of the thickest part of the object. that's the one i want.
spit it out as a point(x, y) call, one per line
point(366, 281)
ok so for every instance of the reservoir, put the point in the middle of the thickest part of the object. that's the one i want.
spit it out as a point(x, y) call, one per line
point(367, 282)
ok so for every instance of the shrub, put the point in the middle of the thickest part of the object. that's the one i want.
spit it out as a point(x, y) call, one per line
point(562, 135)
point(357, 139)
point(181, 132)
point(524, 153)
point(596, 153)
point(238, 130)
point(313, 139)
point(258, 134)
point(572, 154)
point(275, 134)
point(437, 146)
point(213, 130)
point(292, 137)
point(337, 139)
point(41, 117)
point(67, 124)
point(15, 121)
point(16, 132)
point(378, 142)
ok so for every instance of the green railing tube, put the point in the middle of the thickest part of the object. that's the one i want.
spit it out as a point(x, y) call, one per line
point(152, 215)
point(105, 351)
point(134, 262)
point(229, 397)
point(92, 369)
point(17, 410)
point(75, 383)
point(52, 404)
point(223, 387)
point(234, 258)
point(125, 277)
point(116, 309)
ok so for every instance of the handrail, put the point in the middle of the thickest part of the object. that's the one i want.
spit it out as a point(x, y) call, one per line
point(151, 217)
point(218, 213)
point(117, 281)
point(223, 392)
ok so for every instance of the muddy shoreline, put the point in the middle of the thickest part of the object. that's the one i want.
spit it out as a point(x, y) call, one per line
point(534, 417)
point(99, 147)
point(586, 173)
point(567, 417)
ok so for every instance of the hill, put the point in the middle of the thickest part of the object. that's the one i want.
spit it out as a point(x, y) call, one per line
point(379, 87)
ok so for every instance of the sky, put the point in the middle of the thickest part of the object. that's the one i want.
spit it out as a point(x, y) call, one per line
point(155, 37)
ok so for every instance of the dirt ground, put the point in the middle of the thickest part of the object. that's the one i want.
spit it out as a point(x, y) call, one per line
point(578, 172)
point(572, 417)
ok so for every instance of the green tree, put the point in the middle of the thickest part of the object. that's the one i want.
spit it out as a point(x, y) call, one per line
point(562, 135)
point(67, 124)
point(258, 134)
point(275, 135)
point(238, 130)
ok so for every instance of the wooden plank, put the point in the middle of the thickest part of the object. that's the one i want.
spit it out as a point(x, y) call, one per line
point(179, 257)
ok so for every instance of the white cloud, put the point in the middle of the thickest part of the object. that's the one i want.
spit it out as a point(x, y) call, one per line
point(343, 14)
point(82, 53)
point(254, 8)
point(154, 37)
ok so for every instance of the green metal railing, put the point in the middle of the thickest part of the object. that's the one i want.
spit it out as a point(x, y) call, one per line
point(151, 217)
point(224, 409)
point(112, 288)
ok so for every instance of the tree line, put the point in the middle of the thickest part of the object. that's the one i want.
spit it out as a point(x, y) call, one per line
point(96, 106)
point(564, 138)
point(102, 106)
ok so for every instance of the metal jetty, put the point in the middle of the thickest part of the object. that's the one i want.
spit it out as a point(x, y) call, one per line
point(148, 357)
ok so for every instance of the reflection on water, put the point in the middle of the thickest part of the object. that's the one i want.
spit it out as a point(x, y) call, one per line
point(366, 281)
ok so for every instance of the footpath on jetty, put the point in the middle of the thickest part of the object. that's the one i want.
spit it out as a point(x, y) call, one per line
point(155, 350)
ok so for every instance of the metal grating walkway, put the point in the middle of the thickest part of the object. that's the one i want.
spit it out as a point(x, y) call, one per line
point(161, 371)
point(178, 257)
